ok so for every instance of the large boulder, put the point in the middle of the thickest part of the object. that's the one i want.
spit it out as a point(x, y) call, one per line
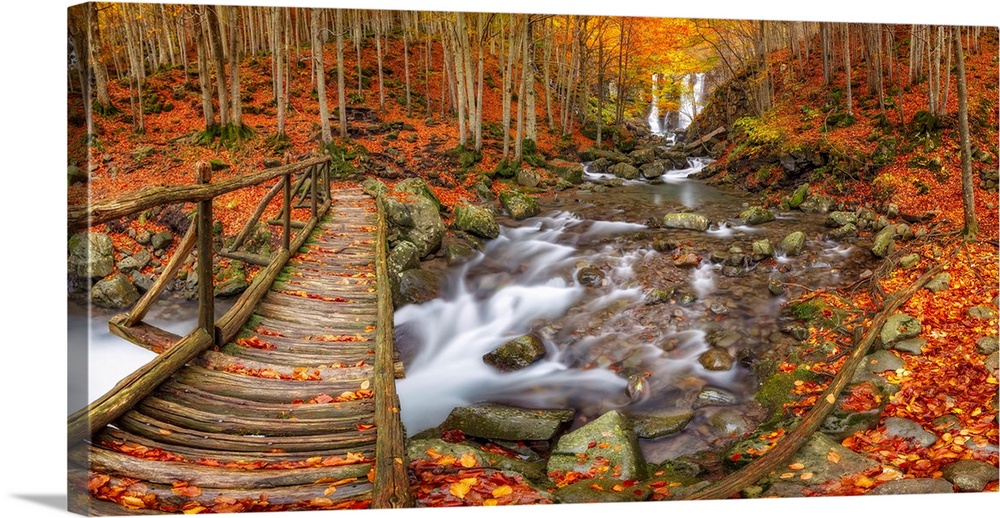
point(417, 286)
point(643, 156)
point(756, 215)
point(899, 326)
point(653, 169)
point(418, 186)
point(793, 243)
point(528, 178)
point(426, 229)
point(114, 292)
point(519, 205)
point(685, 220)
point(476, 221)
point(572, 172)
point(404, 256)
point(840, 218)
point(654, 426)
point(516, 354)
point(91, 255)
point(232, 280)
point(494, 421)
point(884, 242)
point(606, 441)
point(799, 196)
point(624, 171)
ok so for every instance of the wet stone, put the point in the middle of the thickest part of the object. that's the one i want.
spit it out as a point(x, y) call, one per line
point(714, 396)
point(947, 423)
point(580, 449)
point(909, 430)
point(687, 261)
point(493, 421)
point(880, 361)
point(729, 422)
point(986, 345)
point(654, 426)
point(899, 326)
point(756, 215)
point(600, 490)
point(982, 312)
point(939, 282)
point(909, 261)
point(516, 354)
point(913, 486)
point(913, 346)
point(970, 475)
point(814, 458)
point(844, 232)
point(590, 276)
point(716, 359)
point(793, 243)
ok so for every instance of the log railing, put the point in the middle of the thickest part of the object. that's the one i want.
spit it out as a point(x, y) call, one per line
point(312, 188)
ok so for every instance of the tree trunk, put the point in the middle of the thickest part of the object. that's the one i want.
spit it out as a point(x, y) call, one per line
point(847, 68)
point(378, 55)
point(96, 57)
point(970, 226)
point(236, 104)
point(277, 37)
point(219, 62)
point(530, 131)
point(317, 54)
point(204, 79)
point(479, 82)
point(341, 86)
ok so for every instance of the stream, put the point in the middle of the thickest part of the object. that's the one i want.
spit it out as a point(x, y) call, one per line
point(602, 337)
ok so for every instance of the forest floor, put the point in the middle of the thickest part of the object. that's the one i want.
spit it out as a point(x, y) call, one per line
point(949, 378)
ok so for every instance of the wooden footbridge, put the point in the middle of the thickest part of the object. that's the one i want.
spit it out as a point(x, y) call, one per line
point(287, 401)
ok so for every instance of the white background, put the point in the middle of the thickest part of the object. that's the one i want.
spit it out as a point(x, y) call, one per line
point(33, 121)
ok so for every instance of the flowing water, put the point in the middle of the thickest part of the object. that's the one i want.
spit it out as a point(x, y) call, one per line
point(599, 337)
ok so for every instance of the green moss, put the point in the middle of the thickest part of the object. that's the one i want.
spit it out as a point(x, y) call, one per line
point(777, 390)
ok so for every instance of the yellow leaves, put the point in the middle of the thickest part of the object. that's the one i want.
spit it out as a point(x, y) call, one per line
point(468, 460)
point(489, 502)
point(806, 476)
point(446, 460)
point(796, 466)
point(833, 457)
point(461, 488)
point(133, 502)
point(830, 398)
point(503, 490)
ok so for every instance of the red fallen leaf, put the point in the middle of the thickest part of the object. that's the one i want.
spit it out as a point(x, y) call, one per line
point(96, 482)
point(323, 398)
point(453, 436)
point(362, 427)
point(188, 491)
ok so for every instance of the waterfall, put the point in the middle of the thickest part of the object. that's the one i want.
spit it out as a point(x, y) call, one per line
point(691, 99)
point(655, 124)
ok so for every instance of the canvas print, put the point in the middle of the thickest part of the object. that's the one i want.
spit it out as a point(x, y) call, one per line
point(327, 258)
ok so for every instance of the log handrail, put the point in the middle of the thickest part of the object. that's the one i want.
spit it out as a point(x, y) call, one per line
point(391, 485)
point(86, 215)
point(209, 331)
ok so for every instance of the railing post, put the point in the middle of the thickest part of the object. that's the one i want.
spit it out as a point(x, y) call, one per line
point(206, 280)
point(286, 207)
point(313, 191)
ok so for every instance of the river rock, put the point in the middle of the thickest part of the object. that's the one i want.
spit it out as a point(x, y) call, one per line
point(519, 205)
point(939, 282)
point(417, 286)
point(899, 326)
point(847, 231)
point(162, 240)
point(909, 430)
point(913, 486)
point(762, 249)
point(476, 221)
point(756, 215)
point(814, 458)
point(840, 218)
point(427, 229)
point(600, 490)
point(687, 261)
point(495, 421)
point(601, 165)
point(884, 242)
point(880, 361)
point(134, 262)
point(716, 359)
point(685, 220)
point(914, 346)
point(714, 396)
point(728, 422)
point(91, 255)
point(116, 291)
point(528, 178)
point(374, 187)
point(516, 354)
point(418, 186)
point(653, 170)
point(986, 344)
point(842, 423)
point(982, 312)
point(799, 196)
point(74, 174)
point(571, 172)
point(654, 426)
point(793, 243)
point(403, 256)
point(458, 253)
point(232, 280)
point(590, 276)
point(624, 171)
point(142, 281)
point(969, 475)
point(607, 440)
point(992, 364)
point(909, 261)
point(642, 156)
point(818, 204)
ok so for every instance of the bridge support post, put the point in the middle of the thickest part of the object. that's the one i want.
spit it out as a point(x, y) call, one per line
point(206, 280)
